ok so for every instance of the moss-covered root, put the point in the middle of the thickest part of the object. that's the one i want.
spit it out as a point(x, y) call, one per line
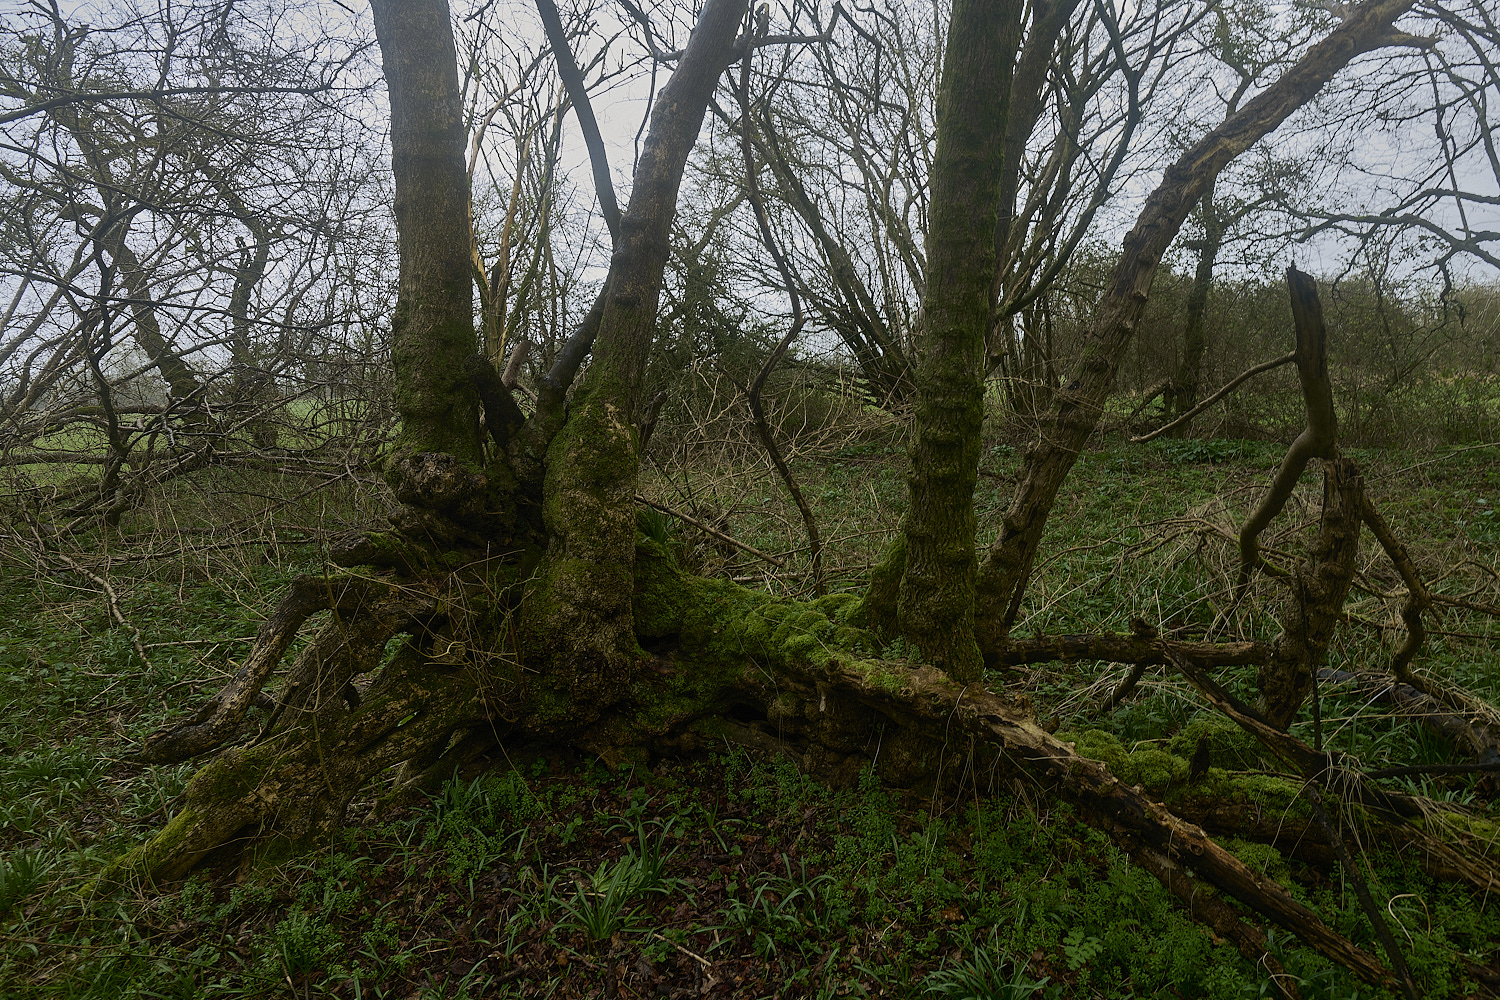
point(288, 794)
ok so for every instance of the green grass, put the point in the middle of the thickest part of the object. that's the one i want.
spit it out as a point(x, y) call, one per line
point(547, 876)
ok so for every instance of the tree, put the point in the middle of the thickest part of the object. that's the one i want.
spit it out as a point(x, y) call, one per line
point(191, 196)
point(530, 532)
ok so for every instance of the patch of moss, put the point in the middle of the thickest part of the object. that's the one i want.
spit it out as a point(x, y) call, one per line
point(1446, 823)
point(135, 865)
point(1276, 796)
point(1232, 748)
point(1149, 766)
point(1259, 857)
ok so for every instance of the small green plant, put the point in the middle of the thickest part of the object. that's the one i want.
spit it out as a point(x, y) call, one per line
point(20, 874)
point(982, 976)
point(600, 906)
point(303, 943)
point(1080, 948)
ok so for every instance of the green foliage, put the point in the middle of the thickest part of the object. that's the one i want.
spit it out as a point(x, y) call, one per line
point(746, 862)
point(983, 976)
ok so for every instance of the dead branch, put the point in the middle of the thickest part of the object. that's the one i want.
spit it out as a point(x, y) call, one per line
point(927, 696)
point(688, 519)
point(1229, 387)
point(1436, 855)
point(1465, 722)
point(1220, 917)
point(1362, 890)
point(1418, 599)
point(1120, 648)
point(220, 719)
point(1319, 439)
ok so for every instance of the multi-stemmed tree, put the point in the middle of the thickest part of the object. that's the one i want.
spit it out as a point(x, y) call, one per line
point(530, 608)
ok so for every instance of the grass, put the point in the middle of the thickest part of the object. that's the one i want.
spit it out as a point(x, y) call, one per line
point(732, 874)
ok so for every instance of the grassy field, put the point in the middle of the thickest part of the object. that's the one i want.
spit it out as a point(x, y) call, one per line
point(731, 875)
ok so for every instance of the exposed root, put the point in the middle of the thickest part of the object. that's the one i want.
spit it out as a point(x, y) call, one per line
point(359, 602)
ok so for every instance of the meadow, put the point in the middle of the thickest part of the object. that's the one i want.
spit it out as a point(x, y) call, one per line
point(732, 873)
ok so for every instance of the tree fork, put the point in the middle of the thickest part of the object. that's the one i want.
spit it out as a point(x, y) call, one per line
point(577, 618)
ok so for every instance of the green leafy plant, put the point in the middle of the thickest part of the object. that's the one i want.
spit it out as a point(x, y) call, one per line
point(1080, 948)
point(982, 975)
point(600, 906)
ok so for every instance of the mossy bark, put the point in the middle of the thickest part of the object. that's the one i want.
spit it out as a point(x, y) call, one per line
point(577, 618)
point(1315, 605)
point(432, 330)
point(285, 791)
point(936, 600)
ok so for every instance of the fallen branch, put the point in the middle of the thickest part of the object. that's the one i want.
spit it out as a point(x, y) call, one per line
point(1229, 387)
point(688, 519)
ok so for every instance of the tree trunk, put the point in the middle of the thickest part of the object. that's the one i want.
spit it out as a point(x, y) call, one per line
point(936, 600)
point(1182, 392)
point(577, 621)
point(432, 330)
point(1320, 584)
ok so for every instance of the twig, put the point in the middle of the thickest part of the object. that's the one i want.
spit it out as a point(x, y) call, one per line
point(113, 600)
point(712, 531)
point(1229, 387)
point(1362, 890)
point(690, 954)
point(752, 192)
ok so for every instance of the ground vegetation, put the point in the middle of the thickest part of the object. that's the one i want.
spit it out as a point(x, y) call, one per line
point(527, 592)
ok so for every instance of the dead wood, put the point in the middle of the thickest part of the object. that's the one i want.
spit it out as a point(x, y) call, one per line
point(924, 697)
point(1362, 890)
point(1319, 439)
point(219, 721)
point(1392, 809)
point(1121, 648)
point(1229, 387)
point(1222, 918)
point(1462, 721)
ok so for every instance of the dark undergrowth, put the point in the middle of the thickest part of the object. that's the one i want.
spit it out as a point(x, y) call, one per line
point(731, 875)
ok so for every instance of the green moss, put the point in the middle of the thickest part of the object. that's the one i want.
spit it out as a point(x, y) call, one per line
point(1262, 858)
point(1149, 766)
point(724, 627)
point(877, 608)
point(135, 866)
point(1275, 796)
point(1444, 824)
point(233, 776)
point(1231, 747)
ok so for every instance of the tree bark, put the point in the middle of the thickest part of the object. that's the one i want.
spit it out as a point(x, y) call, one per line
point(1182, 393)
point(433, 326)
point(1320, 584)
point(577, 622)
point(936, 600)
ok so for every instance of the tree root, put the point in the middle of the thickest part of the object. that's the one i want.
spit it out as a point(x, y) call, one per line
point(744, 653)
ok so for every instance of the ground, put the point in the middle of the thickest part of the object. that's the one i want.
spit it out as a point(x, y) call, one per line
point(727, 874)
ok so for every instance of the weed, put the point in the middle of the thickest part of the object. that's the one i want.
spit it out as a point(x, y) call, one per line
point(982, 975)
